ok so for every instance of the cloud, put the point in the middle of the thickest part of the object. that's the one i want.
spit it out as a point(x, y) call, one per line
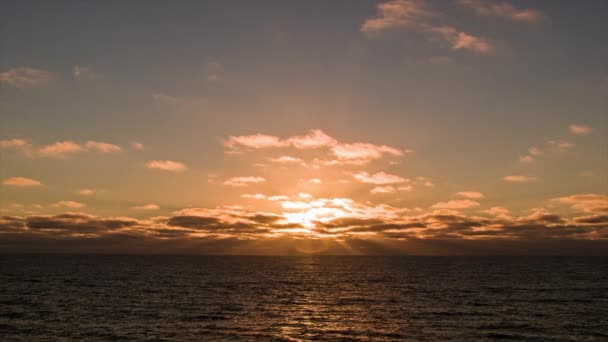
point(86, 192)
point(254, 196)
point(503, 10)
point(254, 141)
point(286, 160)
point(526, 159)
point(69, 204)
point(560, 144)
point(60, 149)
point(416, 15)
point(462, 40)
point(160, 97)
point(379, 178)
point(81, 72)
point(328, 221)
point(25, 77)
point(398, 13)
point(102, 147)
point(147, 207)
point(314, 139)
point(137, 146)
point(343, 153)
point(535, 151)
point(580, 129)
point(383, 190)
point(585, 202)
point(470, 194)
point(360, 153)
point(455, 204)
point(13, 143)
point(519, 179)
point(166, 165)
point(21, 182)
point(243, 181)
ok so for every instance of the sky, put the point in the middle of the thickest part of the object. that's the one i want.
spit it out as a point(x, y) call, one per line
point(405, 127)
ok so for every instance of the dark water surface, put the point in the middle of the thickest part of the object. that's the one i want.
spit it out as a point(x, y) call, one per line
point(175, 298)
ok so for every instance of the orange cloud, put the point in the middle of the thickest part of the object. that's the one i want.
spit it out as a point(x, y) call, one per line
point(166, 165)
point(470, 194)
point(580, 129)
point(379, 178)
point(21, 182)
point(103, 147)
point(519, 179)
point(243, 181)
point(585, 202)
point(150, 206)
point(69, 204)
point(13, 143)
point(455, 204)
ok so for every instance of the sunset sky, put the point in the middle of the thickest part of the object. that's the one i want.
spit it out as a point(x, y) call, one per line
point(287, 127)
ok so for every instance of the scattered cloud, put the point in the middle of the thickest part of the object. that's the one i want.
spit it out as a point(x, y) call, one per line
point(243, 181)
point(580, 129)
point(102, 147)
point(254, 196)
point(25, 77)
point(166, 165)
point(398, 13)
point(21, 182)
point(519, 179)
point(69, 205)
point(456, 204)
point(502, 10)
point(86, 192)
point(417, 15)
point(137, 146)
point(560, 144)
point(379, 178)
point(13, 143)
point(470, 194)
point(147, 207)
point(526, 159)
point(585, 202)
point(60, 149)
point(313, 139)
point(342, 153)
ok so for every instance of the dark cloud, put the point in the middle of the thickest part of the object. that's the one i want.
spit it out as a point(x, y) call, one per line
point(241, 232)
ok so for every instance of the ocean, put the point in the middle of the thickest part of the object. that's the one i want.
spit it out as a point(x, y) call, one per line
point(218, 298)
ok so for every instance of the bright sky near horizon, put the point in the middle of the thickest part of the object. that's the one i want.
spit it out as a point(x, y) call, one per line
point(281, 127)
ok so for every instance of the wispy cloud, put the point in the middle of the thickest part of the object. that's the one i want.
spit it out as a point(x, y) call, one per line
point(502, 10)
point(86, 192)
point(470, 194)
point(21, 181)
point(69, 205)
point(146, 207)
point(243, 181)
point(519, 179)
point(166, 165)
point(580, 129)
point(13, 143)
point(378, 178)
point(102, 147)
point(456, 204)
point(418, 16)
point(25, 77)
